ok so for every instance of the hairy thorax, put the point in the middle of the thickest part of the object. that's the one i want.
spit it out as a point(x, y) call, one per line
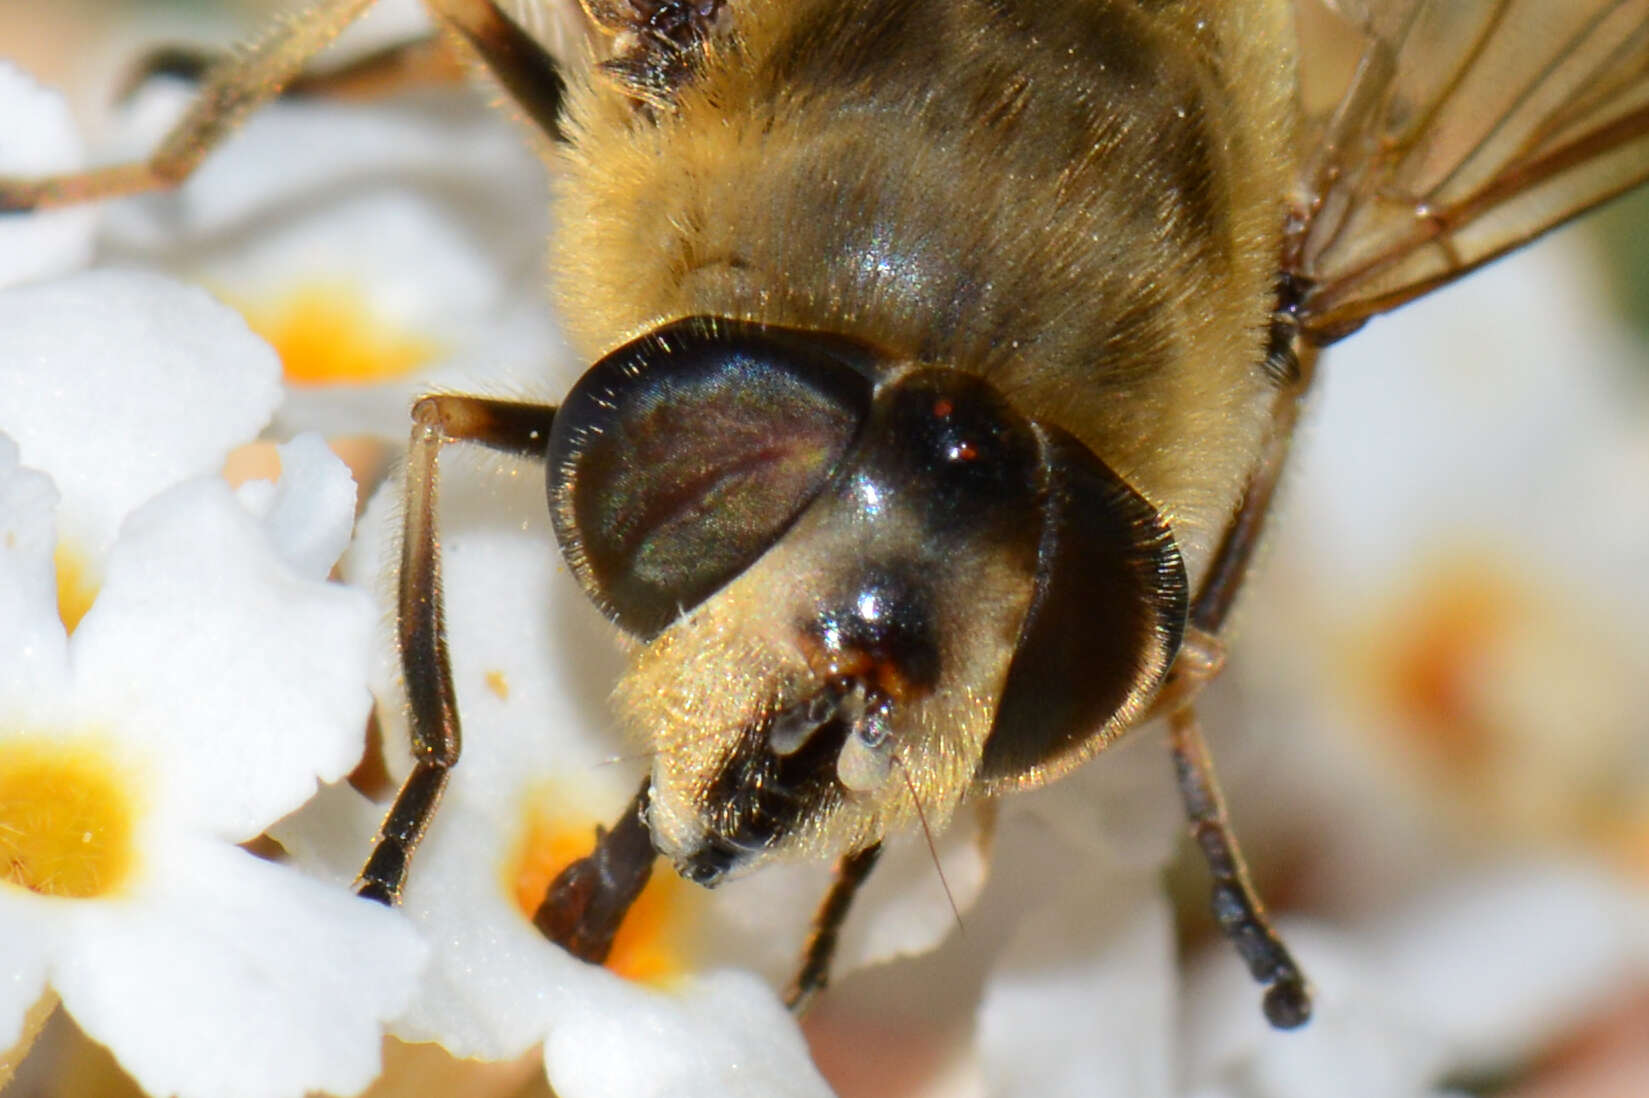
point(1080, 201)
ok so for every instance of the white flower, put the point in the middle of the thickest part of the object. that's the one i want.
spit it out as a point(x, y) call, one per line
point(1471, 977)
point(1448, 627)
point(532, 663)
point(1432, 727)
point(401, 252)
point(121, 384)
point(212, 680)
point(37, 137)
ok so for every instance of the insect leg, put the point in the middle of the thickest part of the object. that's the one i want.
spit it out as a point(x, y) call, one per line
point(521, 429)
point(585, 904)
point(1237, 909)
point(1241, 540)
point(587, 901)
point(814, 973)
point(1202, 655)
point(232, 91)
point(416, 63)
point(245, 81)
point(524, 67)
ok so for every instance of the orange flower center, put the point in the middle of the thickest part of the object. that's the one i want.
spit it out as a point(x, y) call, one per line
point(649, 947)
point(66, 818)
point(327, 334)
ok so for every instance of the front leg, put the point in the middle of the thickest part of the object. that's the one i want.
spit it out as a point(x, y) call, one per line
point(587, 902)
point(519, 429)
point(814, 973)
point(1236, 904)
point(422, 62)
point(232, 90)
point(242, 82)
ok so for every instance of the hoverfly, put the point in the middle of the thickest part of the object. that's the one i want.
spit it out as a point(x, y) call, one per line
point(946, 358)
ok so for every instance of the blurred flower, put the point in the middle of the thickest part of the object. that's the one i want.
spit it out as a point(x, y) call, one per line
point(401, 252)
point(1442, 655)
point(121, 384)
point(1435, 744)
point(37, 136)
point(211, 676)
point(1465, 980)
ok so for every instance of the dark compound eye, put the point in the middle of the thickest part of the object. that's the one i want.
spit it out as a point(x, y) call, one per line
point(1107, 615)
point(681, 457)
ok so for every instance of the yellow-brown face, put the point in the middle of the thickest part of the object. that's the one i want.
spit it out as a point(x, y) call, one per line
point(864, 588)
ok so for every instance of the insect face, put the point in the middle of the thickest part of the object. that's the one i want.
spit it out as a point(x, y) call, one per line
point(838, 582)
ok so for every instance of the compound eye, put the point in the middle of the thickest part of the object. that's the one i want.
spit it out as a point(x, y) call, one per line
point(1106, 618)
point(679, 458)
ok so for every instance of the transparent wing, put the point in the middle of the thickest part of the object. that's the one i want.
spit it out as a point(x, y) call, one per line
point(1466, 128)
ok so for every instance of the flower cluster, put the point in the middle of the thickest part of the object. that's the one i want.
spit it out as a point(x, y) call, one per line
point(179, 674)
point(202, 711)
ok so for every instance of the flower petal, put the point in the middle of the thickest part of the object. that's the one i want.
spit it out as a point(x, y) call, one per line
point(348, 149)
point(37, 137)
point(249, 679)
point(1423, 428)
point(120, 384)
point(309, 512)
point(906, 907)
point(1475, 974)
point(33, 651)
point(1081, 1001)
point(26, 941)
point(329, 837)
point(1498, 962)
point(235, 978)
point(1121, 807)
point(493, 983)
point(722, 1036)
point(1358, 1044)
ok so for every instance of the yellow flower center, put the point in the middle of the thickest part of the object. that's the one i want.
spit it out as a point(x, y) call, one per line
point(75, 586)
point(327, 334)
point(650, 945)
point(66, 818)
